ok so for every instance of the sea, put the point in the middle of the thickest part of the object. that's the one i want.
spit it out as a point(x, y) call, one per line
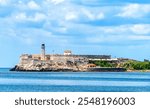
point(12, 81)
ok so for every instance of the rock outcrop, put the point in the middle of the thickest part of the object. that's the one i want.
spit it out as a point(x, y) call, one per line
point(51, 66)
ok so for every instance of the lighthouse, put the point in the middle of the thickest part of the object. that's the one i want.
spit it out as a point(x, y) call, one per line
point(43, 52)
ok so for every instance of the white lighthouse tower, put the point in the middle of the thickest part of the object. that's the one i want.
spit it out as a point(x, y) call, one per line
point(43, 52)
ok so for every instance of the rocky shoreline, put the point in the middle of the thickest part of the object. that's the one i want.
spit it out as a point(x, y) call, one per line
point(96, 69)
point(17, 68)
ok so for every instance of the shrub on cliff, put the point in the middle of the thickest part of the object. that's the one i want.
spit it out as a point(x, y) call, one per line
point(103, 63)
point(136, 65)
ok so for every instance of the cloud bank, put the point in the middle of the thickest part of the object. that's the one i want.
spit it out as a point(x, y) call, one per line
point(76, 23)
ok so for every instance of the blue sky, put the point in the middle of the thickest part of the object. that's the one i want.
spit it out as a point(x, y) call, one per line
point(120, 28)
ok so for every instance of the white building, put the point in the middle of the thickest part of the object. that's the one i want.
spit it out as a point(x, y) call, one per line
point(67, 52)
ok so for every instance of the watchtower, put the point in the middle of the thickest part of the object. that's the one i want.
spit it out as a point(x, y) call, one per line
point(43, 52)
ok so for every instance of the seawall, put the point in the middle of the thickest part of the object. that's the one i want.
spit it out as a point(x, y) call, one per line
point(106, 70)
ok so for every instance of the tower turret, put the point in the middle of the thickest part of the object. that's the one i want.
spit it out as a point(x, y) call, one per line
point(43, 52)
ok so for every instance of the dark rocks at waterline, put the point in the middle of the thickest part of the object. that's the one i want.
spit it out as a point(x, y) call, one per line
point(17, 68)
point(106, 70)
point(14, 68)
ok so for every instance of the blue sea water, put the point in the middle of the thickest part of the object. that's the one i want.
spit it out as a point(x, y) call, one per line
point(73, 81)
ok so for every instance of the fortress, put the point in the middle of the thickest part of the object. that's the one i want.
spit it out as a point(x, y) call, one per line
point(61, 62)
point(67, 56)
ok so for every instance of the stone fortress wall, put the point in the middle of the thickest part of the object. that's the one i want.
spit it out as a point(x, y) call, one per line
point(25, 58)
point(59, 58)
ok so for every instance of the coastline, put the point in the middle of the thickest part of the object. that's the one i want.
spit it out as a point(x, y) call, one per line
point(89, 70)
point(140, 71)
point(43, 68)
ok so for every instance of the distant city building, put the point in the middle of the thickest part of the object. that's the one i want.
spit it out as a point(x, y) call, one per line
point(67, 52)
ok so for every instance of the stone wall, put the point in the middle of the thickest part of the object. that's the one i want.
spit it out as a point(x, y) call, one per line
point(106, 69)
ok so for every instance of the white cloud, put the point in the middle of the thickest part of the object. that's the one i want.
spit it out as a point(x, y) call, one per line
point(55, 2)
point(132, 32)
point(100, 16)
point(137, 29)
point(139, 37)
point(39, 17)
point(28, 40)
point(135, 10)
point(33, 5)
point(141, 28)
point(57, 20)
point(71, 16)
point(21, 16)
point(99, 39)
point(3, 2)
point(116, 38)
point(35, 18)
point(20, 2)
point(92, 15)
point(88, 14)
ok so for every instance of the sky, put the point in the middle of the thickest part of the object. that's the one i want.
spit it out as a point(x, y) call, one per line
point(120, 28)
